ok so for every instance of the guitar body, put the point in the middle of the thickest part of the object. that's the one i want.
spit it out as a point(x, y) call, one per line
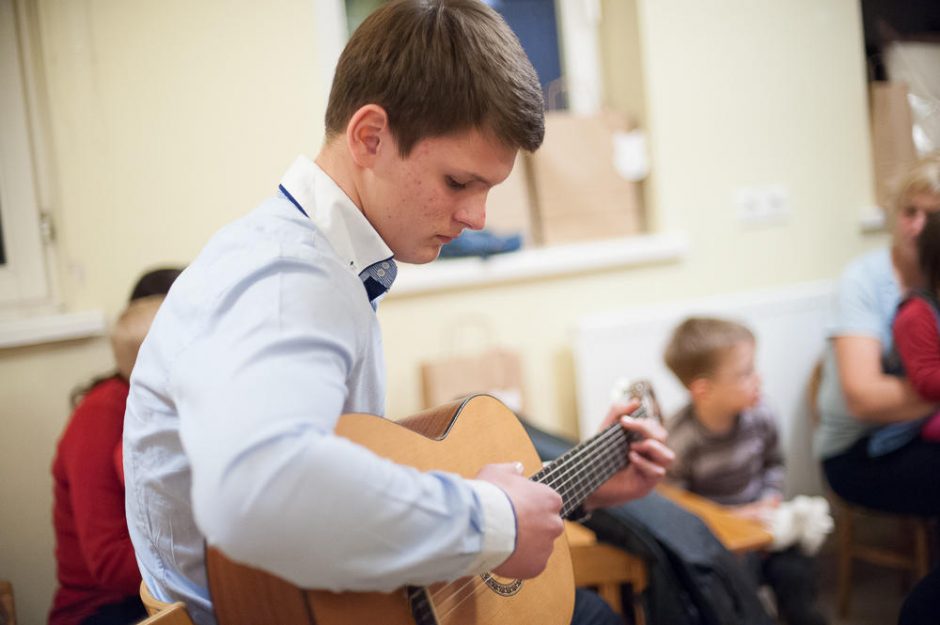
point(459, 438)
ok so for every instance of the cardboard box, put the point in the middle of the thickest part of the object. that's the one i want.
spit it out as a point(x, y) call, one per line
point(509, 205)
point(892, 137)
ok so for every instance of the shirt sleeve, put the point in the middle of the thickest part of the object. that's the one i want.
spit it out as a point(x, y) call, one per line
point(97, 495)
point(273, 486)
point(856, 311)
point(918, 343)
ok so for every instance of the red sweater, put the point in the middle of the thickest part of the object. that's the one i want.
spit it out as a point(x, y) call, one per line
point(94, 557)
point(918, 343)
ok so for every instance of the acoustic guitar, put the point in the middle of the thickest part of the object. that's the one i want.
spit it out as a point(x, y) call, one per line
point(459, 437)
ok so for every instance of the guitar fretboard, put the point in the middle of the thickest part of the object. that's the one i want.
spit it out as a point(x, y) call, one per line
point(583, 468)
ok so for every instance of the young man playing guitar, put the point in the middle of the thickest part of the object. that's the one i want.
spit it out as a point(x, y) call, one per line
point(270, 336)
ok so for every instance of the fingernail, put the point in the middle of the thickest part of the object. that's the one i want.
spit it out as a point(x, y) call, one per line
point(519, 468)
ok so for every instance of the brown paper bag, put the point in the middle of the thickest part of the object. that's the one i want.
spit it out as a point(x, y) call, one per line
point(509, 205)
point(578, 192)
point(495, 371)
point(891, 136)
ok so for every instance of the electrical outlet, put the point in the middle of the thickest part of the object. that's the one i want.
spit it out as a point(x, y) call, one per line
point(768, 204)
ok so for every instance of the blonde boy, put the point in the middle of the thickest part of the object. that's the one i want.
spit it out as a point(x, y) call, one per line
point(726, 446)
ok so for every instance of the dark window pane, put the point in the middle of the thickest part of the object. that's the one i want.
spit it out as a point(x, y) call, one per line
point(3, 254)
point(535, 24)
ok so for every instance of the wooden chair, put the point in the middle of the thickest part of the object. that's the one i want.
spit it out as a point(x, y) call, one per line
point(914, 559)
point(7, 607)
point(606, 568)
point(175, 614)
point(161, 612)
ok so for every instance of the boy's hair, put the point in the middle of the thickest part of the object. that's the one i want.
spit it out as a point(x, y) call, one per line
point(928, 252)
point(698, 343)
point(439, 67)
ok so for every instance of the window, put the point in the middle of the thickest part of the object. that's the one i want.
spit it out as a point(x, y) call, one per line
point(23, 277)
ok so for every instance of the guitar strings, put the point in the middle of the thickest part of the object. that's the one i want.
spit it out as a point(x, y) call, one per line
point(579, 455)
point(575, 484)
point(476, 586)
point(476, 590)
point(610, 446)
point(561, 477)
point(611, 459)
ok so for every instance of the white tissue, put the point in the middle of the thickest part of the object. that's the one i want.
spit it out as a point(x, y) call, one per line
point(803, 521)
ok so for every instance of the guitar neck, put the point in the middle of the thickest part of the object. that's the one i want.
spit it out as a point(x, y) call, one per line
point(579, 472)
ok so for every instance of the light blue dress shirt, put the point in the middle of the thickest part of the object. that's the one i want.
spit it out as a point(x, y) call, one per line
point(262, 343)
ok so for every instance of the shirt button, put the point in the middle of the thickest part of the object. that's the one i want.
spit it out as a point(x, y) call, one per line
point(384, 265)
point(380, 273)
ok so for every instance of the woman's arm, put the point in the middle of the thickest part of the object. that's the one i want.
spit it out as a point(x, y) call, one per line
point(870, 394)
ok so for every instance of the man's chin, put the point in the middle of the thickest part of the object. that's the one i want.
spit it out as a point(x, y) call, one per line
point(421, 256)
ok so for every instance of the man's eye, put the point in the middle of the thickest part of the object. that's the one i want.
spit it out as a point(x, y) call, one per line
point(453, 184)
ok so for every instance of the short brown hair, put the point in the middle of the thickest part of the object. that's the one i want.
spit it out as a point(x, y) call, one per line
point(698, 343)
point(438, 67)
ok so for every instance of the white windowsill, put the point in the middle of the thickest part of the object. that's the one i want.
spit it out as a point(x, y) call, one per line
point(539, 263)
point(51, 328)
point(414, 279)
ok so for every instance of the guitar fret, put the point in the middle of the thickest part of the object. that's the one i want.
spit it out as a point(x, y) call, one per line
point(583, 468)
point(421, 608)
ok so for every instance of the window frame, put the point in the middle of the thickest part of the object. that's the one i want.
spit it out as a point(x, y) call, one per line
point(24, 278)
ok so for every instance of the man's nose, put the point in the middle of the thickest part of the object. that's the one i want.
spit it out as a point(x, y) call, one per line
point(473, 213)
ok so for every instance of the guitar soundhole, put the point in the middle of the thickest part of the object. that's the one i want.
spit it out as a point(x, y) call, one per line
point(504, 588)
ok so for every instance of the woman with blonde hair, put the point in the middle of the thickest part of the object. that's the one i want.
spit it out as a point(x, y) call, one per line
point(859, 395)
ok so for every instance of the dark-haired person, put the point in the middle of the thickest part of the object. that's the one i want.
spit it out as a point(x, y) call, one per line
point(155, 282)
point(271, 335)
point(917, 337)
point(98, 579)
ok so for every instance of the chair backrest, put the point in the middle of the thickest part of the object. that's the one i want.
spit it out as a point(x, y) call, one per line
point(173, 614)
point(815, 382)
point(151, 603)
point(161, 611)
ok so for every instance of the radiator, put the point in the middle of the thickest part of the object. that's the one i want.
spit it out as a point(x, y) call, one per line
point(789, 323)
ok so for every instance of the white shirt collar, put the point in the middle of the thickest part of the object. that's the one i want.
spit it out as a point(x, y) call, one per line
point(353, 238)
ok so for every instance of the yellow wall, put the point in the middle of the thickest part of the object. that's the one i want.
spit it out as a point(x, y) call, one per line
point(169, 119)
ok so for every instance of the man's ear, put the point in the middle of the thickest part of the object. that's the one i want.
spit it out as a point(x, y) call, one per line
point(698, 388)
point(367, 134)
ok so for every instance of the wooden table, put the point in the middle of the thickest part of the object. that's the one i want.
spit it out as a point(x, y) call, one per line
point(738, 535)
